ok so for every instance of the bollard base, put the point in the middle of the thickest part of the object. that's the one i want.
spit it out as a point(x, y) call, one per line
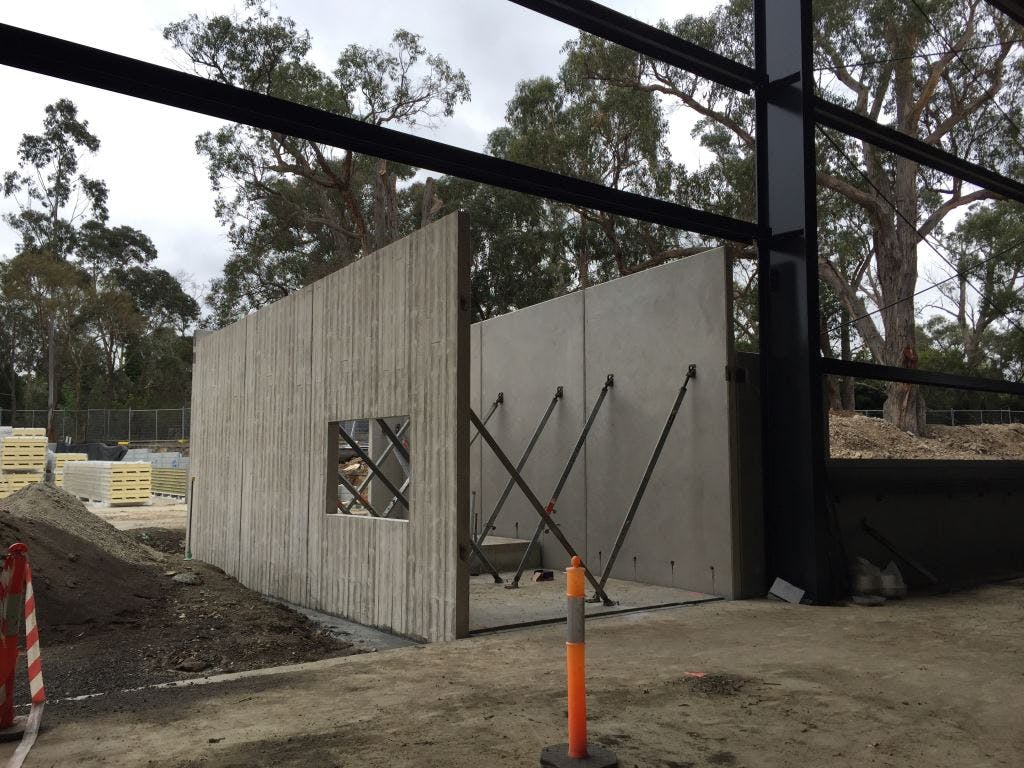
point(557, 756)
point(15, 730)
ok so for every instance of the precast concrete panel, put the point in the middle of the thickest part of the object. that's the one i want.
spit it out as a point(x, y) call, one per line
point(648, 328)
point(526, 355)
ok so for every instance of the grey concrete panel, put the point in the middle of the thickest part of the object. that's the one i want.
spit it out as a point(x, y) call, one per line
point(647, 328)
point(526, 354)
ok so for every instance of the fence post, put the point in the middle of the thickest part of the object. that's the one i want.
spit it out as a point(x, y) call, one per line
point(182, 422)
point(952, 418)
point(156, 423)
point(129, 426)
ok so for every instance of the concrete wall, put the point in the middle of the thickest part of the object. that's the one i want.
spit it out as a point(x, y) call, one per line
point(386, 336)
point(645, 329)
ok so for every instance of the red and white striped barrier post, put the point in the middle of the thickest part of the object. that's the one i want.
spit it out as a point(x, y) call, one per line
point(18, 601)
point(577, 753)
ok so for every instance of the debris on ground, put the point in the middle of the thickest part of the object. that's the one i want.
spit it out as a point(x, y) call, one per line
point(854, 436)
point(115, 613)
point(714, 684)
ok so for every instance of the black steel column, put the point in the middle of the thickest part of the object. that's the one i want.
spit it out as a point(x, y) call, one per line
point(792, 399)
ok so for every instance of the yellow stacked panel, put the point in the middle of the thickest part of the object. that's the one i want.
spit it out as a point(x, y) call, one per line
point(22, 453)
point(60, 459)
point(111, 482)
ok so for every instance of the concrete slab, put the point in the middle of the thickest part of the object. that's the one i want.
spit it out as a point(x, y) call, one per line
point(492, 607)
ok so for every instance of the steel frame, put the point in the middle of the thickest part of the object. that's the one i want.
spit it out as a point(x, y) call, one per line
point(374, 468)
point(786, 113)
point(380, 460)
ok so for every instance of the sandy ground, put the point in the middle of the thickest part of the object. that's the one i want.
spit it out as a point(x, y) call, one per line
point(927, 682)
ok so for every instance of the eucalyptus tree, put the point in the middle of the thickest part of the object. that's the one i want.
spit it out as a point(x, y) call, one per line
point(945, 71)
point(296, 210)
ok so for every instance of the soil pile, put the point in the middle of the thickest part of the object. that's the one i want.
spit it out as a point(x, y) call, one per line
point(115, 613)
point(853, 436)
point(83, 569)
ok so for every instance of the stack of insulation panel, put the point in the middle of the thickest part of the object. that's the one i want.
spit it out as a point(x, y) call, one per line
point(170, 482)
point(23, 453)
point(110, 482)
point(22, 458)
point(60, 459)
point(15, 482)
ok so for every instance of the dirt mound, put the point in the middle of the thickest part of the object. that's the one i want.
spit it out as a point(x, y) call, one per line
point(79, 572)
point(853, 436)
point(54, 507)
point(168, 540)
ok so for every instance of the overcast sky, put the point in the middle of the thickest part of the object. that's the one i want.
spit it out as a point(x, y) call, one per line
point(158, 183)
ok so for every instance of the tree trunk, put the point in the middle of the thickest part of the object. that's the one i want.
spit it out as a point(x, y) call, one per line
point(385, 206)
point(896, 248)
point(846, 386)
point(51, 375)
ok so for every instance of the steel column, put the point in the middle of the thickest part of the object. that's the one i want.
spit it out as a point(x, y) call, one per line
point(793, 422)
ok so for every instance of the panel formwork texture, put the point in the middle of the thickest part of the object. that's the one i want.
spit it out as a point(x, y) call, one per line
point(386, 335)
point(110, 482)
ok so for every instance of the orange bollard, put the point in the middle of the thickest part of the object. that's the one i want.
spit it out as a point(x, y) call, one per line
point(577, 752)
point(575, 659)
point(12, 584)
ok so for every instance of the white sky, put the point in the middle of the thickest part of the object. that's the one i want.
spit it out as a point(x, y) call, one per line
point(157, 182)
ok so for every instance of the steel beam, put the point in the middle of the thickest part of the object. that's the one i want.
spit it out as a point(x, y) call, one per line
point(793, 422)
point(857, 370)
point(644, 39)
point(52, 56)
point(864, 128)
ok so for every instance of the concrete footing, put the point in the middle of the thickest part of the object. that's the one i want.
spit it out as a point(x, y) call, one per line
point(556, 756)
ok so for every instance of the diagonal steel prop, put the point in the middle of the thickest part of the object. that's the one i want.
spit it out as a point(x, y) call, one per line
point(534, 501)
point(691, 373)
point(372, 465)
point(380, 460)
point(609, 382)
point(494, 406)
point(478, 551)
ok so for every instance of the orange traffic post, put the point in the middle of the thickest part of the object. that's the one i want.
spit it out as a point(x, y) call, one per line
point(577, 752)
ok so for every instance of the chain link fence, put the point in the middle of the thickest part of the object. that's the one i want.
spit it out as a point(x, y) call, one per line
point(107, 425)
point(959, 417)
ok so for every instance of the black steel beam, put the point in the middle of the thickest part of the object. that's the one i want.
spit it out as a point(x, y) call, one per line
point(1011, 8)
point(652, 42)
point(866, 129)
point(857, 370)
point(101, 69)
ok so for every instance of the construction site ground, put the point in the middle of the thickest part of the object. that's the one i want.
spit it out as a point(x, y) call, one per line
point(931, 681)
point(122, 609)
